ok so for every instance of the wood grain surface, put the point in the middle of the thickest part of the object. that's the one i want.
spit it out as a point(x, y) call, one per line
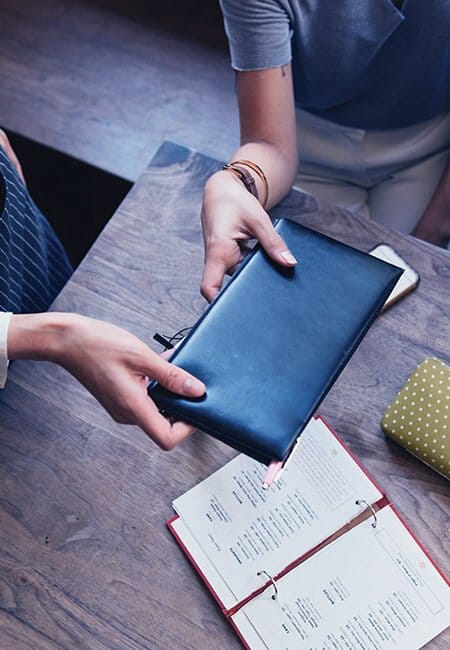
point(85, 559)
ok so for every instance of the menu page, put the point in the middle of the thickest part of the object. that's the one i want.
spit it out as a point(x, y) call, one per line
point(371, 589)
point(243, 529)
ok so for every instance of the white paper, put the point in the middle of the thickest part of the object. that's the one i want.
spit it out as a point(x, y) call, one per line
point(370, 589)
point(243, 529)
point(209, 572)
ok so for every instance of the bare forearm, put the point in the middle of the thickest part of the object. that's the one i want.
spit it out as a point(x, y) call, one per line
point(39, 336)
point(268, 128)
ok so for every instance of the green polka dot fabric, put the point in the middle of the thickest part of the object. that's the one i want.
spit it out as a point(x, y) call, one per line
point(419, 417)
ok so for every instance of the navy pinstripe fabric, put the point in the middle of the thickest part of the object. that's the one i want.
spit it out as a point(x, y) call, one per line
point(33, 264)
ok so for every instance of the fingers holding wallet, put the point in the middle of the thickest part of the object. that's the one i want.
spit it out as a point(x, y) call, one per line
point(167, 433)
point(113, 364)
point(231, 216)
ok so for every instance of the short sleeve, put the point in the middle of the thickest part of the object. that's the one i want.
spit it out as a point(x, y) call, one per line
point(259, 33)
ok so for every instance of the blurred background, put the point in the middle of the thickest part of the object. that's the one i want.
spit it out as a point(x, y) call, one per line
point(89, 89)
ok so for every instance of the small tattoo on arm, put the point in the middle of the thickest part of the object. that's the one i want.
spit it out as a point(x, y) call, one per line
point(283, 70)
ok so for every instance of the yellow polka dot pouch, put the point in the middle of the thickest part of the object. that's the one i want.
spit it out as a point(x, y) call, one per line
point(419, 417)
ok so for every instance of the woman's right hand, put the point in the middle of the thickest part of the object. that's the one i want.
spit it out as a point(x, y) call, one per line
point(231, 216)
point(111, 363)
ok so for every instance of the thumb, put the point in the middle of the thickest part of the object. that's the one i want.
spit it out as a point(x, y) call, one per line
point(173, 378)
point(270, 240)
point(213, 274)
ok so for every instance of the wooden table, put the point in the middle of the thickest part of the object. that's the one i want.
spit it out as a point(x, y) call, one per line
point(86, 561)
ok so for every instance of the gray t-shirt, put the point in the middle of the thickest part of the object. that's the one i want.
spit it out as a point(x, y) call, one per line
point(361, 63)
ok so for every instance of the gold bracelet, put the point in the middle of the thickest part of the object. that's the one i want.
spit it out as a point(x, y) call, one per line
point(257, 169)
point(246, 179)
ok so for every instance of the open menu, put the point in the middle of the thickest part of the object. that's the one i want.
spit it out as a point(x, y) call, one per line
point(321, 560)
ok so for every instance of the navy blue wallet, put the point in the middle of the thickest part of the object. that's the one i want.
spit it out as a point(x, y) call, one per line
point(272, 343)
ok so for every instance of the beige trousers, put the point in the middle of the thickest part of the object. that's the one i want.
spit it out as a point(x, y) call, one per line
point(389, 176)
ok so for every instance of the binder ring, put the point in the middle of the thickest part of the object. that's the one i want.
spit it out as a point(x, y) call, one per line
point(274, 595)
point(372, 510)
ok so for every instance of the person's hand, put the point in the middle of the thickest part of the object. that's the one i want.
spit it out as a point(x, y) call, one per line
point(435, 228)
point(113, 364)
point(6, 146)
point(231, 216)
point(434, 225)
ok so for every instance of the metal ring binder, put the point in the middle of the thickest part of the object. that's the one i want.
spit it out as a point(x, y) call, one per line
point(372, 510)
point(273, 596)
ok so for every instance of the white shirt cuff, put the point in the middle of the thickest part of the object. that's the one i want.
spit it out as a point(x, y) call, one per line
point(5, 319)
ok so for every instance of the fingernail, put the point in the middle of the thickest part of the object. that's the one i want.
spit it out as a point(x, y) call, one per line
point(191, 387)
point(290, 259)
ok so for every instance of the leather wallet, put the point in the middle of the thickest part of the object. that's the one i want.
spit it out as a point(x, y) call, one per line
point(419, 416)
point(274, 340)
